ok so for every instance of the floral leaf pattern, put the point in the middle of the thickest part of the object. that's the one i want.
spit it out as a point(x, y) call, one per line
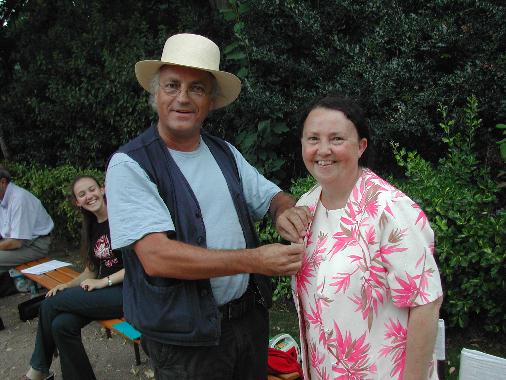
point(351, 356)
point(364, 266)
point(397, 335)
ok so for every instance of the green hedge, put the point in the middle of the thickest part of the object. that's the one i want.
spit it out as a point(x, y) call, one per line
point(461, 200)
point(51, 186)
point(67, 72)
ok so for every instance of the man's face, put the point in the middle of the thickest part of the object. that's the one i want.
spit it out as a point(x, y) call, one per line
point(183, 102)
point(3, 187)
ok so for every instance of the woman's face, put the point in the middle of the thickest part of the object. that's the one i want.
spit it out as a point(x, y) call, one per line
point(331, 146)
point(89, 195)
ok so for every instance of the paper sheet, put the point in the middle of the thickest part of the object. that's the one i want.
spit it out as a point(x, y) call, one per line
point(45, 267)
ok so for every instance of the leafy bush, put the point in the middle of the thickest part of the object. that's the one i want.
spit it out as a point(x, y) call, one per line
point(460, 199)
point(67, 76)
point(51, 186)
point(399, 58)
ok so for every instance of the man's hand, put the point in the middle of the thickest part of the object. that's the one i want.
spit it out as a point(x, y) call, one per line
point(292, 223)
point(10, 244)
point(277, 259)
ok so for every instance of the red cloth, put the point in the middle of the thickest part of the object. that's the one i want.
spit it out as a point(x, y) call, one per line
point(283, 362)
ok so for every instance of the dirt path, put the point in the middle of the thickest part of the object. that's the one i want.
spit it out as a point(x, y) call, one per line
point(111, 358)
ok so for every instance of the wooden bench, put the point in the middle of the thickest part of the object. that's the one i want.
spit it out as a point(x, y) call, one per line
point(62, 275)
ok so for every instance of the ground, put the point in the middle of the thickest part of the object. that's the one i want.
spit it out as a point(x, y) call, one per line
point(114, 358)
point(111, 358)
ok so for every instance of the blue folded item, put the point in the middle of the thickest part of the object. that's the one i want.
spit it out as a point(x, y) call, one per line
point(127, 329)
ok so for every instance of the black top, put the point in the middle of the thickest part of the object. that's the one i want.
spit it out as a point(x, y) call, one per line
point(105, 259)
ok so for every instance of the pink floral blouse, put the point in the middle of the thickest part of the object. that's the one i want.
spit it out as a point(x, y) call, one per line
point(365, 265)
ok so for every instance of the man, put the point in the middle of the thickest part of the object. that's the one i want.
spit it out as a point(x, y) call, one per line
point(24, 225)
point(180, 206)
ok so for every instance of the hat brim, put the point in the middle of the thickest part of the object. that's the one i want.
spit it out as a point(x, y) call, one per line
point(229, 85)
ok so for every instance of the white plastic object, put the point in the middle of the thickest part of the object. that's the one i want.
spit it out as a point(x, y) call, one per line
point(476, 365)
point(22, 284)
point(440, 346)
point(284, 342)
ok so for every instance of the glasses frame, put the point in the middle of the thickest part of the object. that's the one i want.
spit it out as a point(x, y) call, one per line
point(195, 91)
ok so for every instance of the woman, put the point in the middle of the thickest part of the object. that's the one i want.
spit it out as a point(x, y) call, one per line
point(95, 294)
point(368, 292)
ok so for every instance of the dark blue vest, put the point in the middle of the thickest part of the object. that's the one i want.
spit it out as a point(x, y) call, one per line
point(176, 311)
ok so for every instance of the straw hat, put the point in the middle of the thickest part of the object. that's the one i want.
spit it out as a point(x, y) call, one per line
point(198, 52)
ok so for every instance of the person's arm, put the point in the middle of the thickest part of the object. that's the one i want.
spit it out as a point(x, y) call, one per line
point(99, 283)
point(422, 331)
point(86, 274)
point(261, 194)
point(130, 192)
point(9, 244)
point(291, 222)
point(163, 257)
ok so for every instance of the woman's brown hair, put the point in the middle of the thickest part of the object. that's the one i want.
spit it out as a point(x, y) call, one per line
point(88, 219)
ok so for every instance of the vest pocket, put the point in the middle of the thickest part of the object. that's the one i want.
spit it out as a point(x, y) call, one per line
point(174, 310)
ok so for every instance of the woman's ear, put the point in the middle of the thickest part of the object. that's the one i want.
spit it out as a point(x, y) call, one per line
point(362, 146)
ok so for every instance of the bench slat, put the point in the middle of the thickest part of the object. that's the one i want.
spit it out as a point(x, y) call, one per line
point(68, 271)
point(32, 263)
point(46, 282)
point(60, 277)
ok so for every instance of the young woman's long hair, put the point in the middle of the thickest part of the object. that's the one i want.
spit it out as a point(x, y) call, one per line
point(88, 219)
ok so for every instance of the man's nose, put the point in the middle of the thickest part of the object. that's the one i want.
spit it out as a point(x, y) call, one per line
point(182, 96)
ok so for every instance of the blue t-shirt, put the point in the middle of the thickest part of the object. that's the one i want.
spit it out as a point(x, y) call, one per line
point(136, 209)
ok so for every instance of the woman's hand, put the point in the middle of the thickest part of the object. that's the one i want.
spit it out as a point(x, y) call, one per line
point(93, 283)
point(56, 289)
point(293, 222)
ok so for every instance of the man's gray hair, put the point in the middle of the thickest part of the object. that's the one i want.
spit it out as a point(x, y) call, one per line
point(4, 173)
point(154, 86)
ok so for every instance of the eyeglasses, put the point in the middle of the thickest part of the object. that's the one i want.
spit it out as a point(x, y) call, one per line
point(194, 91)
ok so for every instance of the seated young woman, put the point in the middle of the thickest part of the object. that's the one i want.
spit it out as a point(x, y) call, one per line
point(95, 294)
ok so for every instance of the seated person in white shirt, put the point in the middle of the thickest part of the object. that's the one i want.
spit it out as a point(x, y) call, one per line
point(24, 225)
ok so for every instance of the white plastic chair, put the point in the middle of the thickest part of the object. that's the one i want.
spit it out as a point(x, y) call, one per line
point(476, 365)
point(440, 349)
